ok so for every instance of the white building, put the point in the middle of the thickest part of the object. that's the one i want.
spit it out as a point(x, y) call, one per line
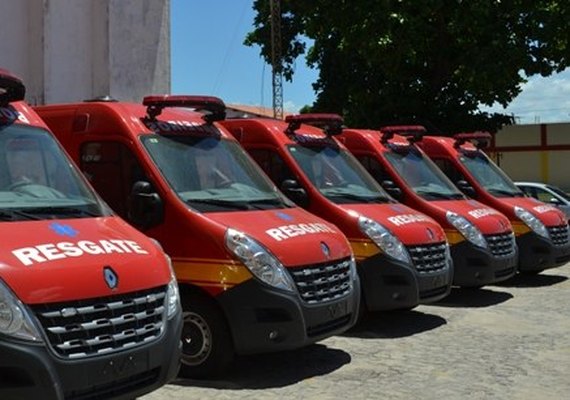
point(72, 50)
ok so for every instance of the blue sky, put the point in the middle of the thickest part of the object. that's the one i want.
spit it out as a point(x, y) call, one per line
point(208, 57)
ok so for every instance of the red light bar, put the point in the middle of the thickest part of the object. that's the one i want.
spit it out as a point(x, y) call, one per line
point(330, 123)
point(214, 105)
point(413, 133)
point(11, 88)
point(481, 139)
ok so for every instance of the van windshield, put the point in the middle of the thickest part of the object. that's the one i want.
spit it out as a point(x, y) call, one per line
point(338, 175)
point(212, 174)
point(489, 176)
point(422, 175)
point(37, 180)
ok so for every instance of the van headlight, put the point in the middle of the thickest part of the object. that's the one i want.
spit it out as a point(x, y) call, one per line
point(384, 239)
point(467, 229)
point(262, 264)
point(532, 222)
point(172, 298)
point(15, 319)
point(172, 301)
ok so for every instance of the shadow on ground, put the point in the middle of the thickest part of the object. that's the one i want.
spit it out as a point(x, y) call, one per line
point(275, 370)
point(474, 298)
point(531, 281)
point(394, 324)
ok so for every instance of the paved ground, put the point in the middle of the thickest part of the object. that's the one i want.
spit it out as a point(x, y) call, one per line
point(510, 341)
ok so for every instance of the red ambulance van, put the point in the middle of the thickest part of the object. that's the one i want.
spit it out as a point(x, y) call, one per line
point(482, 242)
point(541, 229)
point(256, 273)
point(89, 306)
point(403, 257)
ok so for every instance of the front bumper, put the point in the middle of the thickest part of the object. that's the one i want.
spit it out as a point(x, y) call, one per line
point(475, 266)
point(538, 253)
point(263, 319)
point(31, 371)
point(388, 284)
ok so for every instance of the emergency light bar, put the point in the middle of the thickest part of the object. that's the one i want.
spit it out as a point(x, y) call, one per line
point(481, 139)
point(11, 88)
point(413, 133)
point(214, 105)
point(331, 124)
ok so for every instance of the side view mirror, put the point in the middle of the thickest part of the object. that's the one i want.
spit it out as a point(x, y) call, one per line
point(292, 189)
point(392, 189)
point(145, 206)
point(466, 188)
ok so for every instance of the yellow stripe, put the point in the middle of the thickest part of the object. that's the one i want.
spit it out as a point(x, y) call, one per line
point(519, 228)
point(221, 274)
point(544, 170)
point(363, 248)
point(453, 236)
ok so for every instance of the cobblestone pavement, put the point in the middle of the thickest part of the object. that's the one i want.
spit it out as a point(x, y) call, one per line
point(509, 341)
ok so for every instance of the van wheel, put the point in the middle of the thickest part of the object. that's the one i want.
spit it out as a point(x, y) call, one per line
point(207, 348)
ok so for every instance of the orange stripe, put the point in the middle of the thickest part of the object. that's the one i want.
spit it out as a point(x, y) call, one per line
point(222, 274)
point(519, 228)
point(363, 248)
point(453, 236)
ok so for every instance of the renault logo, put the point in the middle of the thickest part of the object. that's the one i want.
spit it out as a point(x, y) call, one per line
point(326, 250)
point(111, 278)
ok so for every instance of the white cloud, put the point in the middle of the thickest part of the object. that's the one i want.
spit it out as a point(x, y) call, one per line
point(541, 100)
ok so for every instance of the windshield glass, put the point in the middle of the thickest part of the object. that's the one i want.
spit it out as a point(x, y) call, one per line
point(489, 176)
point(338, 175)
point(37, 181)
point(422, 175)
point(212, 174)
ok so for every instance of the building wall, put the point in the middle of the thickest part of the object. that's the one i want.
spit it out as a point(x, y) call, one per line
point(537, 152)
point(69, 50)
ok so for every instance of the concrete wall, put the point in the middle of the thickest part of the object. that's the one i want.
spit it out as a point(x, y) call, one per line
point(70, 50)
point(536, 152)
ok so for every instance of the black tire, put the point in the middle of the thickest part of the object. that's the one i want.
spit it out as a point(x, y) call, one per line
point(207, 348)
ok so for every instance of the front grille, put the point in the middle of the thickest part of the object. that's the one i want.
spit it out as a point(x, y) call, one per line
point(320, 283)
point(429, 258)
point(559, 234)
point(103, 325)
point(502, 245)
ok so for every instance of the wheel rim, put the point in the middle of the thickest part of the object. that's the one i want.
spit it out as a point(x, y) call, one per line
point(196, 339)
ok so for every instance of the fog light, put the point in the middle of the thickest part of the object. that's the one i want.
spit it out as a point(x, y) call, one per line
point(273, 335)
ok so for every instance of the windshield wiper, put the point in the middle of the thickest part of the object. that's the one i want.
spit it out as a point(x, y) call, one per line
point(14, 215)
point(438, 195)
point(63, 210)
point(241, 205)
point(365, 199)
point(506, 192)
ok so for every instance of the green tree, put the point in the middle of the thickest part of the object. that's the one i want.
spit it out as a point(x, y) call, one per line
point(433, 62)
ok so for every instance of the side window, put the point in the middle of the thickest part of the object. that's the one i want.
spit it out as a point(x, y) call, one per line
point(273, 165)
point(373, 166)
point(449, 169)
point(543, 195)
point(112, 169)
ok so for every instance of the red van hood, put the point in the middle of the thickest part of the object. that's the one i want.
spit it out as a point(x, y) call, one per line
point(488, 220)
point(410, 226)
point(62, 260)
point(293, 235)
point(546, 213)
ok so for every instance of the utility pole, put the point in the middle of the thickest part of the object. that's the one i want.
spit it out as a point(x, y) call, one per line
point(276, 63)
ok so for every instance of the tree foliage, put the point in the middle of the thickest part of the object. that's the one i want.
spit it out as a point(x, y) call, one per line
point(433, 61)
